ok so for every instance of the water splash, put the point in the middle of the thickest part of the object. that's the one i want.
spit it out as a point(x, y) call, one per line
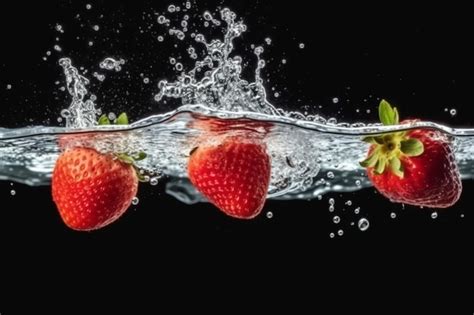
point(216, 80)
point(82, 112)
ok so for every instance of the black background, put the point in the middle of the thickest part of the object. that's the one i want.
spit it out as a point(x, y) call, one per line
point(418, 58)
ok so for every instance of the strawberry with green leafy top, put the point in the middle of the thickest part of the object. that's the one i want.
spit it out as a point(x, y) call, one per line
point(92, 190)
point(415, 167)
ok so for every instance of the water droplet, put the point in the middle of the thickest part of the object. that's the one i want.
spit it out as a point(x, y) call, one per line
point(135, 201)
point(276, 94)
point(462, 215)
point(335, 100)
point(453, 112)
point(330, 174)
point(434, 215)
point(154, 181)
point(283, 61)
point(88, 6)
point(331, 235)
point(320, 197)
point(363, 224)
point(207, 16)
point(112, 116)
point(340, 232)
point(91, 43)
point(269, 214)
point(336, 219)
point(301, 45)
point(393, 215)
point(12, 192)
point(96, 27)
point(161, 19)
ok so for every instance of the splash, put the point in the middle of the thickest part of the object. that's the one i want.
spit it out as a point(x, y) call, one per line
point(216, 80)
point(82, 112)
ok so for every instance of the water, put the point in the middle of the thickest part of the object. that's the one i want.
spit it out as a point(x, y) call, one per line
point(310, 155)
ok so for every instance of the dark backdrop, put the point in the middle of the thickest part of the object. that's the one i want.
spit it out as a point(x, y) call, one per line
point(419, 58)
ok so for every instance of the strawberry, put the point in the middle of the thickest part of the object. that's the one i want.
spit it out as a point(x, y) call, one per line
point(233, 174)
point(92, 190)
point(416, 167)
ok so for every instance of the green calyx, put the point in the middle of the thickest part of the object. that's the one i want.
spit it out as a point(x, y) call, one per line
point(122, 119)
point(389, 149)
point(131, 160)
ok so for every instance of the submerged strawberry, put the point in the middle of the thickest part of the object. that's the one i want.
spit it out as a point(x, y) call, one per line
point(416, 167)
point(233, 175)
point(92, 190)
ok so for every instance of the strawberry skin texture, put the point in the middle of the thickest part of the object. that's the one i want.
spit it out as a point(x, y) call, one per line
point(92, 190)
point(234, 175)
point(430, 180)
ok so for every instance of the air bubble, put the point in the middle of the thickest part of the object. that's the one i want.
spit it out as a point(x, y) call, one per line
point(269, 214)
point(301, 45)
point(12, 192)
point(135, 201)
point(330, 175)
point(393, 215)
point(363, 224)
point(434, 215)
point(453, 112)
point(336, 219)
point(171, 8)
point(340, 232)
point(154, 181)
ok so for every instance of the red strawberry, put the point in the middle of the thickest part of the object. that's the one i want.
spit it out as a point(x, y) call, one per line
point(91, 190)
point(233, 174)
point(416, 167)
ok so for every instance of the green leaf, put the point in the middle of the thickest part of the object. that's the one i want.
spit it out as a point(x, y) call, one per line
point(387, 115)
point(396, 166)
point(122, 119)
point(371, 160)
point(141, 156)
point(396, 117)
point(380, 166)
point(412, 147)
point(103, 120)
point(125, 158)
